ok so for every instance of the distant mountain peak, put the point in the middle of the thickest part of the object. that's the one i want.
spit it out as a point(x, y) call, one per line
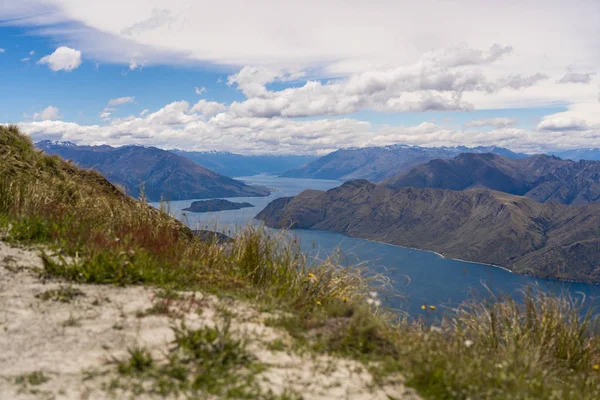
point(377, 164)
point(55, 143)
point(541, 177)
point(165, 175)
point(216, 152)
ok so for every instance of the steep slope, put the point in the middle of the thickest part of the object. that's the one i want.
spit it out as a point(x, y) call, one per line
point(233, 165)
point(542, 178)
point(547, 240)
point(379, 163)
point(162, 174)
point(108, 321)
point(107, 278)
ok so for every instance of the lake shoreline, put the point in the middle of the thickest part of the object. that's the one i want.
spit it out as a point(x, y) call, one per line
point(439, 280)
point(455, 259)
point(434, 252)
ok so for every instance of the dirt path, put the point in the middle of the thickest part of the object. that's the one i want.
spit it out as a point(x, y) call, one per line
point(60, 341)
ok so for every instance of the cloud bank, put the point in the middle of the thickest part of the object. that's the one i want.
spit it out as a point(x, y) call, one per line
point(302, 77)
point(197, 127)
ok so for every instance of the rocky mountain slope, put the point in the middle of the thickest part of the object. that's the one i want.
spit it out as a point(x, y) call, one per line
point(547, 240)
point(162, 174)
point(542, 178)
point(379, 163)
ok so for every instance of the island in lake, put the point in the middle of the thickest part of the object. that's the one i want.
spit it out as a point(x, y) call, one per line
point(215, 205)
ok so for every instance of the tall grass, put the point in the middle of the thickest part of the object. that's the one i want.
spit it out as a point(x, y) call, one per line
point(100, 235)
point(537, 347)
point(541, 346)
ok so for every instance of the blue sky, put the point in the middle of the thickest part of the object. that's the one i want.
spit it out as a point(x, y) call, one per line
point(82, 93)
point(302, 86)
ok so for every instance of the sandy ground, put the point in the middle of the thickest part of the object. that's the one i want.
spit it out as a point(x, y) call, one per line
point(74, 344)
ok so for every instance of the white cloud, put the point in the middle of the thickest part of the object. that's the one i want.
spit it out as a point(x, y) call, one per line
point(557, 124)
point(120, 100)
point(495, 122)
point(574, 77)
point(31, 52)
point(63, 59)
point(380, 31)
point(49, 113)
point(333, 39)
point(25, 59)
point(338, 57)
point(199, 91)
point(436, 82)
point(207, 108)
point(517, 81)
point(2, 50)
point(176, 113)
point(105, 115)
point(144, 112)
point(179, 125)
point(133, 65)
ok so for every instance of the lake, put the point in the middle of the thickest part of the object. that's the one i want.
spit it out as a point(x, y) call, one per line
point(419, 277)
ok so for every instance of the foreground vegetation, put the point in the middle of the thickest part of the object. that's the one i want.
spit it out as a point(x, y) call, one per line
point(90, 232)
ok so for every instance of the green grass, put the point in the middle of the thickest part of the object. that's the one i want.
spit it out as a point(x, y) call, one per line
point(203, 361)
point(35, 378)
point(537, 348)
point(65, 294)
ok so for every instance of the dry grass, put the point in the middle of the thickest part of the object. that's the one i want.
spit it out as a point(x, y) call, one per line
point(101, 236)
point(538, 346)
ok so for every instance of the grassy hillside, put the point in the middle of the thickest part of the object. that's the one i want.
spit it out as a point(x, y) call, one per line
point(89, 232)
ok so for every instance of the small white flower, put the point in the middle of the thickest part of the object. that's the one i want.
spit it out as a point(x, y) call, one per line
point(468, 343)
point(373, 294)
point(436, 329)
point(374, 302)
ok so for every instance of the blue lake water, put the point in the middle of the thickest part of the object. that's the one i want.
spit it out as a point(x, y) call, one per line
point(419, 277)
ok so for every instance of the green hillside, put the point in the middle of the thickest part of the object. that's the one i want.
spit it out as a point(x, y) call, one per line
point(88, 232)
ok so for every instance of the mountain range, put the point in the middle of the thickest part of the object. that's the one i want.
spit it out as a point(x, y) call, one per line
point(377, 164)
point(578, 154)
point(162, 174)
point(234, 165)
point(543, 239)
point(541, 177)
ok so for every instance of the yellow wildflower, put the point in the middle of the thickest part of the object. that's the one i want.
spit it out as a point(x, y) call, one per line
point(423, 307)
point(318, 303)
point(432, 308)
point(596, 367)
point(345, 299)
point(311, 275)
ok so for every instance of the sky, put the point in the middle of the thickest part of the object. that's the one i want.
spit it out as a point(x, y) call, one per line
point(303, 77)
